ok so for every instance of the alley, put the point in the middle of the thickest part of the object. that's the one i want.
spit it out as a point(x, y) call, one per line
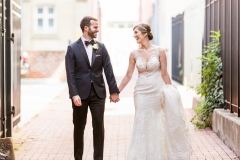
point(49, 134)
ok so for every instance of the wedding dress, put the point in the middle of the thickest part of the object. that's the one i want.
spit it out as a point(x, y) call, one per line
point(160, 130)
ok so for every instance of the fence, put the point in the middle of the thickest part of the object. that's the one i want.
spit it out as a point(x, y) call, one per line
point(224, 15)
point(10, 46)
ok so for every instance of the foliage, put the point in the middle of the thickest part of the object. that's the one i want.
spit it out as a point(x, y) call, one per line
point(180, 73)
point(211, 87)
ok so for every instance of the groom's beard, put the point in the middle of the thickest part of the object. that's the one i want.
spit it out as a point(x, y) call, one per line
point(91, 33)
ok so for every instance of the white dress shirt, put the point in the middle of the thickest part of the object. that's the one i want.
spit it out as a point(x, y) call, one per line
point(88, 49)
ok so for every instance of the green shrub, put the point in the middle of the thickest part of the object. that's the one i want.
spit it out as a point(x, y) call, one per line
point(211, 87)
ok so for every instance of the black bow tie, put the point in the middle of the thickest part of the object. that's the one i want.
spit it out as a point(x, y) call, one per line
point(91, 42)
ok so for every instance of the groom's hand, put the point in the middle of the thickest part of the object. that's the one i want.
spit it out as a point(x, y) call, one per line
point(77, 100)
point(114, 97)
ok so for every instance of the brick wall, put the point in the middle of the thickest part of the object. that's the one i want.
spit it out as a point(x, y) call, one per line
point(47, 64)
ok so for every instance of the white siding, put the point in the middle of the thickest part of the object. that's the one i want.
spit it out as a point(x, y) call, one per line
point(193, 36)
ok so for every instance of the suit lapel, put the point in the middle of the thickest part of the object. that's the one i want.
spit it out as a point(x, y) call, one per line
point(83, 51)
point(94, 54)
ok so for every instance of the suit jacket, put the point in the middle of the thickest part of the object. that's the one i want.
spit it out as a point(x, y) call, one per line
point(80, 74)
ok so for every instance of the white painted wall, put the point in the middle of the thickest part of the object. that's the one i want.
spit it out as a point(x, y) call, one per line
point(193, 36)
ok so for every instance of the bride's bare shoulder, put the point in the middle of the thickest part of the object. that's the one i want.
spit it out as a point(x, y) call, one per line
point(133, 53)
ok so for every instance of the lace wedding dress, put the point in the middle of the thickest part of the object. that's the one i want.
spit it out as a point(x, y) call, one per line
point(160, 131)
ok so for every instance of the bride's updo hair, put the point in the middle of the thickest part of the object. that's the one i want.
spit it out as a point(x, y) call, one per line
point(145, 28)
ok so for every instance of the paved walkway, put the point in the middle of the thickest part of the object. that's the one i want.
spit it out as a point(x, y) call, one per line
point(49, 135)
point(32, 92)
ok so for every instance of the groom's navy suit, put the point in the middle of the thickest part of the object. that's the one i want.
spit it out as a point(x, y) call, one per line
point(87, 81)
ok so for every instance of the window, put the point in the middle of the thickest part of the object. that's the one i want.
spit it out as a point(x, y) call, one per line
point(121, 25)
point(50, 10)
point(40, 23)
point(130, 25)
point(40, 10)
point(50, 22)
point(46, 20)
point(110, 25)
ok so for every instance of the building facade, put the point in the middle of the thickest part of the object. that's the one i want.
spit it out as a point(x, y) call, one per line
point(48, 27)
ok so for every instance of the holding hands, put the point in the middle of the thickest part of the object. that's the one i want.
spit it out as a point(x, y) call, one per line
point(114, 97)
point(77, 100)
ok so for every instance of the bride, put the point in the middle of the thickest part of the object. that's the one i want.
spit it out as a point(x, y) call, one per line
point(160, 130)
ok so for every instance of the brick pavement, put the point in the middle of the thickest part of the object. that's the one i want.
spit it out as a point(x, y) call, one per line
point(49, 134)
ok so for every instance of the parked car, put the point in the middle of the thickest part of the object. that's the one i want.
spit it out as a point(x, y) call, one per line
point(25, 67)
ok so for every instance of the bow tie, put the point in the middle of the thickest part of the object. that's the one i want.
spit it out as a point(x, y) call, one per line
point(91, 42)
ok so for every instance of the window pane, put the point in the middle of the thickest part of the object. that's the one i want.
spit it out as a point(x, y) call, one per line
point(40, 10)
point(121, 25)
point(50, 22)
point(50, 10)
point(110, 25)
point(40, 23)
point(130, 25)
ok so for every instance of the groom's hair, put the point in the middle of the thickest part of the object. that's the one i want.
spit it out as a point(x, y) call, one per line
point(86, 22)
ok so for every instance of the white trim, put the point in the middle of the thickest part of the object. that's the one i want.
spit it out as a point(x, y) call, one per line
point(17, 5)
point(17, 14)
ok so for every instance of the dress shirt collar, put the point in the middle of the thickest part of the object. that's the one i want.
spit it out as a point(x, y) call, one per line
point(83, 40)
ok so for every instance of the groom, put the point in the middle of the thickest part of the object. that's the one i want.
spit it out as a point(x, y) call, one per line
point(85, 60)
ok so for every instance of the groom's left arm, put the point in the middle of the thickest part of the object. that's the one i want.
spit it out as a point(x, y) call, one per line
point(108, 70)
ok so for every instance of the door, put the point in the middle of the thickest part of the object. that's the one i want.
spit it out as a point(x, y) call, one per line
point(177, 48)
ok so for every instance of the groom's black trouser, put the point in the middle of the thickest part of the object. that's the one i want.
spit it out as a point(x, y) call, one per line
point(97, 106)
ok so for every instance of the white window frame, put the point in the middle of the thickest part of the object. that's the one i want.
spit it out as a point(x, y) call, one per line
point(46, 16)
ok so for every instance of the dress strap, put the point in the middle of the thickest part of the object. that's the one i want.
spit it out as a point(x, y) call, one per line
point(157, 52)
point(135, 52)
